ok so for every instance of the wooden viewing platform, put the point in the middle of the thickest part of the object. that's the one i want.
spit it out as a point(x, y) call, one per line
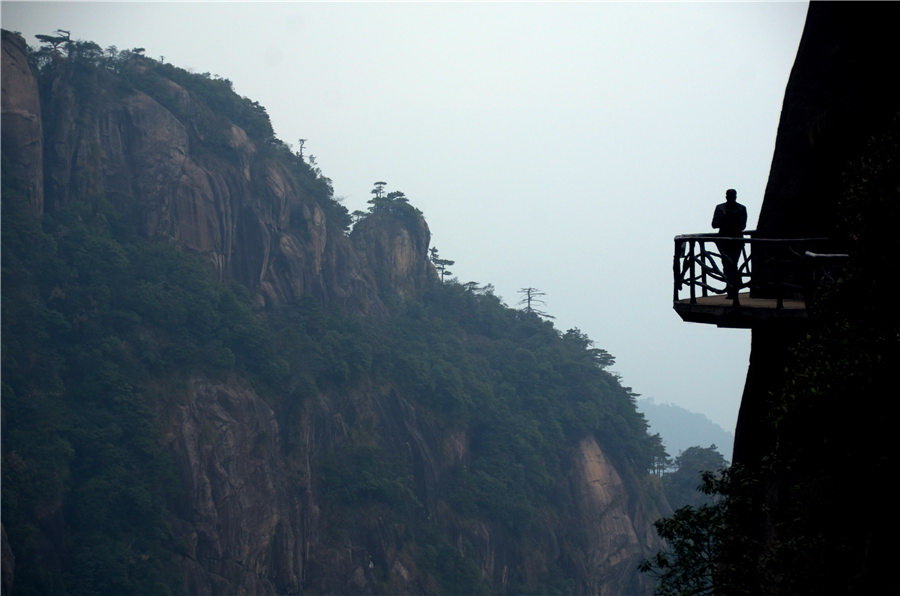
point(750, 312)
point(787, 270)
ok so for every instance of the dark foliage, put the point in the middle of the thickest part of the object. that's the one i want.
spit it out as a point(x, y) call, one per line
point(704, 555)
point(682, 485)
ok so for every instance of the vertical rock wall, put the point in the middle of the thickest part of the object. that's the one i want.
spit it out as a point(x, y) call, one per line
point(838, 96)
point(841, 91)
point(808, 437)
point(23, 143)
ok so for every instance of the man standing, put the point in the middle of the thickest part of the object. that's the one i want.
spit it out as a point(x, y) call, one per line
point(730, 218)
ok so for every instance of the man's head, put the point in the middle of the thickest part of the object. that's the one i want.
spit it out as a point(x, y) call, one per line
point(730, 195)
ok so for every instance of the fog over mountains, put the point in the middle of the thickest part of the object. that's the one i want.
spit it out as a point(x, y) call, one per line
point(681, 428)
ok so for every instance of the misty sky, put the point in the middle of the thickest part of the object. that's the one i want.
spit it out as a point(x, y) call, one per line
point(555, 145)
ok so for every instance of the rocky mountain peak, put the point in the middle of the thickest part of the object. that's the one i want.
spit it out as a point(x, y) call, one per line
point(197, 165)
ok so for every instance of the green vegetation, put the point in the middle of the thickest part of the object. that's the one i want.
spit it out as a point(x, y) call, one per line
point(441, 265)
point(101, 326)
point(523, 393)
point(682, 485)
point(98, 328)
point(394, 204)
point(703, 554)
point(103, 329)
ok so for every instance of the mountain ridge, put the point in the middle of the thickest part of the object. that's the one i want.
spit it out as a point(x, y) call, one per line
point(681, 428)
point(213, 385)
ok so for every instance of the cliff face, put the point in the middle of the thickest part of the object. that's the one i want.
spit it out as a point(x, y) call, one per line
point(261, 505)
point(836, 99)
point(622, 527)
point(210, 188)
point(836, 102)
point(810, 431)
point(22, 134)
point(258, 525)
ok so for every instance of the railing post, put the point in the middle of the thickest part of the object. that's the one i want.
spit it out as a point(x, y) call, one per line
point(703, 267)
point(778, 272)
point(738, 278)
point(693, 277)
point(747, 255)
point(676, 271)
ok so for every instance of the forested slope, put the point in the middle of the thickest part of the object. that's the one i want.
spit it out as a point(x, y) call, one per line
point(212, 384)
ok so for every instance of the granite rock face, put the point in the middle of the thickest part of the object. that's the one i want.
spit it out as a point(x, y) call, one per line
point(21, 125)
point(255, 523)
point(238, 201)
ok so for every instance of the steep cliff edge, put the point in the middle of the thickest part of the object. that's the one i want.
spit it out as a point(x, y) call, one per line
point(212, 385)
point(837, 99)
point(121, 128)
point(833, 148)
point(22, 134)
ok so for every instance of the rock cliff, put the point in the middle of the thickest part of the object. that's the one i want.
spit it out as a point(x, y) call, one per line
point(22, 134)
point(196, 179)
point(837, 105)
point(261, 497)
point(810, 414)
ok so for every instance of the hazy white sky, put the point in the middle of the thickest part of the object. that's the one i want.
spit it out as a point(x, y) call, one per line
point(555, 145)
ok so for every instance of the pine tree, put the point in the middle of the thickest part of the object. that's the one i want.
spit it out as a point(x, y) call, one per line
point(532, 297)
point(439, 263)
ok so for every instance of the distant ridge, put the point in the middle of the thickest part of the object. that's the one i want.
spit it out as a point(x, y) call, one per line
point(681, 428)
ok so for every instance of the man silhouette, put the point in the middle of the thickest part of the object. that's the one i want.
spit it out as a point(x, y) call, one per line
point(730, 218)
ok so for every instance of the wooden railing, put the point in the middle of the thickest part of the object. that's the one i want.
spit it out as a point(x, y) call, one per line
point(774, 268)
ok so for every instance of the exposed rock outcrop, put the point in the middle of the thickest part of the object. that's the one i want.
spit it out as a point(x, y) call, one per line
point(391, 247)
point(251, 207)
point(255, 525)
point(21, 126)
point(242, 523)
point(618, 524)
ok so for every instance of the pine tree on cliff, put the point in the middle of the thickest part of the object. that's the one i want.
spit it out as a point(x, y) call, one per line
point(439, 263)
point(532, 297)
point(392, 203)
